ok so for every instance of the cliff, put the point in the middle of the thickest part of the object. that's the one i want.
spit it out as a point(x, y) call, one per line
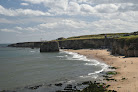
point(120, 43)
point(85, 44)
point(27, 44)
point(125, 46)
point(52, 46)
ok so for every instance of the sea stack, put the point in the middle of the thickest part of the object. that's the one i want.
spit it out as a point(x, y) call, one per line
point(51, 46)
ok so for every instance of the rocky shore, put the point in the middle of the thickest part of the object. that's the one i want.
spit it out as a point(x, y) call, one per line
point(87, 86)
point(125, 78)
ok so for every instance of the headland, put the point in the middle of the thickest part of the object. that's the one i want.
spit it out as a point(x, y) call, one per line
point(119, 50)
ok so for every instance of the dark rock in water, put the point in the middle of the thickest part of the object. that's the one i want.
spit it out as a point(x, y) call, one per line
point(52, 46)
point(112, 68)
point(86, 82)
point(59, 84)
point(34, 87)
point(68, 88)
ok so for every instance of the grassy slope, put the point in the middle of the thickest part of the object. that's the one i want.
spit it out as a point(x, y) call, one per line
point(102, 36)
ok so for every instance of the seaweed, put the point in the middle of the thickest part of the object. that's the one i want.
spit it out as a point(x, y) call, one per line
point(111, 73)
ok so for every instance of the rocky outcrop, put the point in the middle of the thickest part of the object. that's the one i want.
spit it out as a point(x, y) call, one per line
point(52, 46)
point(132, 50)
point(125, 48)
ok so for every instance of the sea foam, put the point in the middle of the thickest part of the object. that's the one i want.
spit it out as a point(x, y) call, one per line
point(89, 62)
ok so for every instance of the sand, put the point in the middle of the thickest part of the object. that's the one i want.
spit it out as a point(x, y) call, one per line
point(126, 67)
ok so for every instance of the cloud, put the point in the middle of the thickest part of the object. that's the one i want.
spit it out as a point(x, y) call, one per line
point(10, 30)
point(114, 25)
point(85, 1)
point(106, 1)
point(21, 12)
point(24, 4)
point(75, 26)
point(6, 21)
point(63, 24)
point(87, 8)
point(72, 7)
point(128, 7)
point(106, 8)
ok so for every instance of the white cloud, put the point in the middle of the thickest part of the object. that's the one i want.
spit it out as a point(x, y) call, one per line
point(21, 12)
point(112, 25)
point(106, 8)
point(87, 8)
point(70, 7)
point(10, 30)
point(24, 4)
point(18, 28)
point(63, 24)
point(83, 1)
point(73, 7)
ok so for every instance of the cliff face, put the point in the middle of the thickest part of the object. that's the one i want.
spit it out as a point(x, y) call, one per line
point(124, 47)
point(85, 43)
point(118, 46)
point(71, 44)
point(49, 47)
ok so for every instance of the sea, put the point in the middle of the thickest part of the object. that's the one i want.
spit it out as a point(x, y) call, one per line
point(24, 67)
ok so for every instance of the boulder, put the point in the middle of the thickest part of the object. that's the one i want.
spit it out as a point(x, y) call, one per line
point(51, 46)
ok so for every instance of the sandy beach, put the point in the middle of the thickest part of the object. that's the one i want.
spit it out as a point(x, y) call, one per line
point(127, 69)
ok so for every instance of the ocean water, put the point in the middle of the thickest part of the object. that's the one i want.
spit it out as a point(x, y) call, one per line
point(21, 67)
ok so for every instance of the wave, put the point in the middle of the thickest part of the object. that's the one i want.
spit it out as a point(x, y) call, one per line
point(89, 62)
point(32, 51)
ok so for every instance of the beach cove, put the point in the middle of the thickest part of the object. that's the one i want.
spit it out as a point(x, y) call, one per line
point(114, 54)
point(31, 71)
point(126, 77)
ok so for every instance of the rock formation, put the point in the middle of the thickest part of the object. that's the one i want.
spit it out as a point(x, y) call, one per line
point(121, 47)
point(128, 48)
point(52, 46)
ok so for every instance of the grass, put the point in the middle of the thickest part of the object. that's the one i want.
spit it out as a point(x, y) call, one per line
point(102, 36)
point(127, 40)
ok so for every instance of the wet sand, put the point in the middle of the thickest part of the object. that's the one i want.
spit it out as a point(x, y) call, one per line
point(127, 68)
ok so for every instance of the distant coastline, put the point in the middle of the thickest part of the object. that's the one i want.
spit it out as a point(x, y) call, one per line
point(121, 53)
point(125, 44)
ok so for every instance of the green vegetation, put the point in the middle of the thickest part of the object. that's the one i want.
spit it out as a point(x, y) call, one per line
point(111, 73)
point(112, 67)
point(97, 87)
point(123, 79)
point(129, 39)
point(120, 36)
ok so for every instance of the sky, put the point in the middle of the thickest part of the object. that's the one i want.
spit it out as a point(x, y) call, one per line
point(35, 20)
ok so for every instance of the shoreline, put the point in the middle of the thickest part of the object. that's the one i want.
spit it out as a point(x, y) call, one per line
point(43, 86)
point(126, 77)
point(125, 82)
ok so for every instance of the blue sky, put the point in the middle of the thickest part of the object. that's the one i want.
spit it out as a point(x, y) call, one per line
point(32, 20)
